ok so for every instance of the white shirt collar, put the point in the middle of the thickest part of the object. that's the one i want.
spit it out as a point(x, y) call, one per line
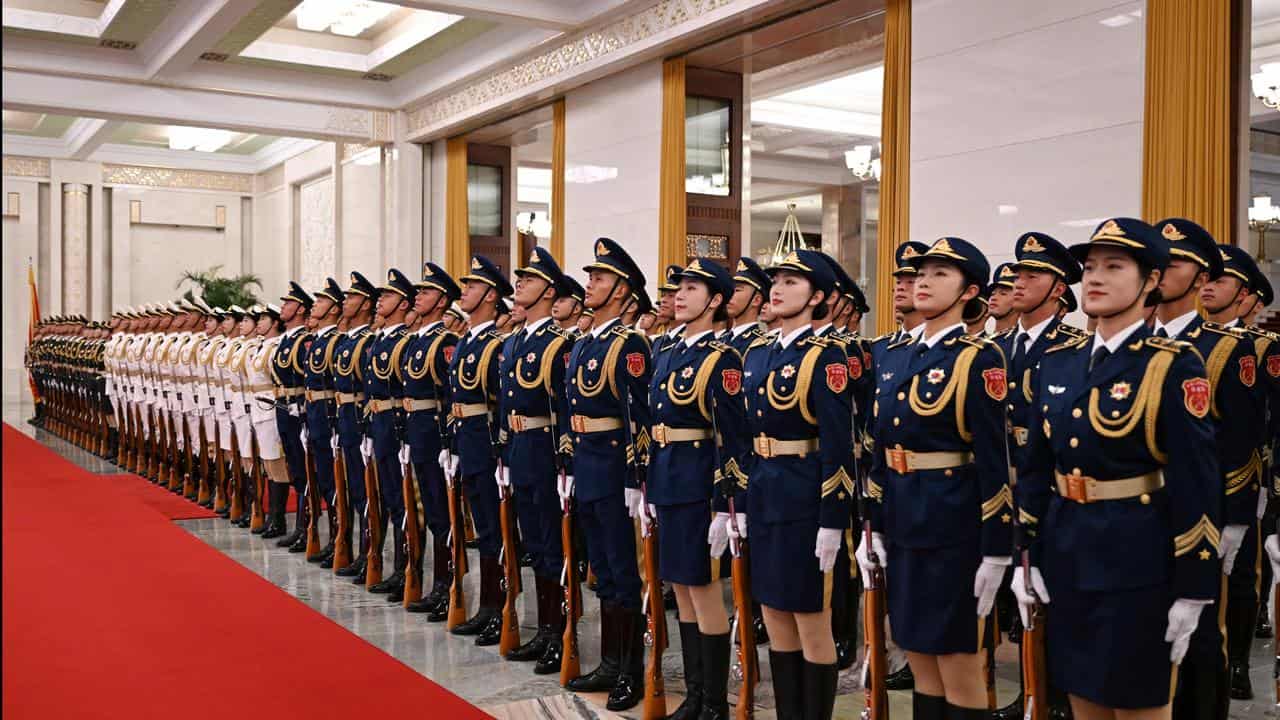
point(1033, 333)
point(325, 329)
point(786, 340)
point(1234, 322)
point(352, 332)
point(531, 328)
point(1175, 326)
point(933, 339)
point(822, 331)
point(599, 330)
point(1116, 340)
point(916, 332)
point(691, 339)
point(428, 327)
point(391, 328)
point(479, 329)
point(739, 329)
point(674, 332)
point(294, 330)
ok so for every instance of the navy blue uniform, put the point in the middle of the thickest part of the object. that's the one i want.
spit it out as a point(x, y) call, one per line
point(689, 382)
point(473, 386)
point(286, 366)
point(349, 397)
point(1019, 366)
point(383, 391)
point(424, 369)
point(321, 410)
point(1121, 507)
point(603, 370)
point(799, 420)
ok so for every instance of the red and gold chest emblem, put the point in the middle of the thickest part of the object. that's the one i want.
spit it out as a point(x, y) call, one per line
point(635, 364)
point(1195, 396)
point(855, 367)
point(1273, 366)
point(996, 383)
point(1248, 370)
point(448, 353)
point(731, 380)
point(1121, 391)
point(837, 377)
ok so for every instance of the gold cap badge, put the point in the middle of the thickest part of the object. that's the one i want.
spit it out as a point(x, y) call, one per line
point(742, 267)
point(1110, 227)
point(942, 246)
point(475, 264)
point(1171, 233)
point(601, 248)
point(910, 252)
point(1032, 245)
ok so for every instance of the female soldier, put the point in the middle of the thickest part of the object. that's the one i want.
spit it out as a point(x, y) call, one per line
point(798, 415)
point(696, 400)
point(939, 485)
point(1116, 495)
point(261, 392)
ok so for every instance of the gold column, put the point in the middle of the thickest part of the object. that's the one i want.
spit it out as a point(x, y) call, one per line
point(671, 199)
point(895, 139)
point(557, 181)
point(1188, 144)
point(457, 230)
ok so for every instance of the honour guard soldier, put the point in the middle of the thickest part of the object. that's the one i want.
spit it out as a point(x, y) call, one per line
point(750, 293)
point(384, 395)
point(1067, 304)
point(326, 308)
point(473, 386)
point(904, 301)
point(424, 368)
point(696, 389)
point(262, 393)
point(940, 497)
point(977, 312)
point(1118, 502)
point(350, 422)
point(226, 399)
point(567, 309)
point(291, 377)
point(608, 373)
point(242, 403)
point(205, 390)
point(455, 321)
point(1267, 344)
point(800, 420)
point(664, 312)
point(531, 398)
point(190, 379)
point(1000, 301)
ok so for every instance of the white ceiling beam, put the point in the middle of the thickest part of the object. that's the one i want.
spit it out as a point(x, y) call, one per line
point(776, 168)
point(548, 14)
point(86, 135)
point(188, 31)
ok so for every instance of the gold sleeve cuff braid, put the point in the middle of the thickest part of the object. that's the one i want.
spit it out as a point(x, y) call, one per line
point(1203, 530)
point(732, 470)
point(839, 480)
point(1239, 478)
point(1002, 499)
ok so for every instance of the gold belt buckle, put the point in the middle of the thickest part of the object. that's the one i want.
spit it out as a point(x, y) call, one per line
point(578, 423)
point(660, 434)
point(456, 410)
point(763, 445)
point(1077, 488)
point(897, 459)
point(517, 422)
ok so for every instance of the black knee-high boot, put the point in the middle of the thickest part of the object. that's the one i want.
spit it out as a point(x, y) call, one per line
point(691, 647)
point(928, 707)
point(788, 673)
point(278, 495)
point(715, 677)
point(819, 690)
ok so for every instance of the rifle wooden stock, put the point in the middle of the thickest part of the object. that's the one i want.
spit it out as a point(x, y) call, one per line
point(104, 429)
point(457, 555)
point(748, 661)
point(123, 438)
point(373, 520)
point(164, 463)
point(175, 454)
point(570, 662)
point(313, 507)
point(342, 498)
point(993, 634)
point(877, 663)
point(135, 439)
point(412, 537)
point(1275, 618)
point(189, 490)
point(203, 491)
point(236, 490)
point(257, 518)
point(655, 701)
point(510, 638)
point(1034, 677)
point(220, 460)
point(155, 447)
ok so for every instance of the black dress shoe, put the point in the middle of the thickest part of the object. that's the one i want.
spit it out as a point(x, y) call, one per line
point(259, 531)
point(901, 680)
point(762, 632)
point(491, 633)
point(299, 545)
point(388, 584)
point(1060, 712)
point(272, 531)
point(1263, 627)
point(1012, 711)
point(362, 578)
point(845, 655)
point(526, 560)
point(552, 655)
point(352, 570)
point(326, 562)
point(397, 594)
point(439, 613)
point(626, 693)
point(533, 649)
point(1241, 686)
point(477, 623)
point(425, 604)
point(288, 539)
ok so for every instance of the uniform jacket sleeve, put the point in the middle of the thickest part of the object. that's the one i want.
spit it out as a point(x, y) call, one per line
point(829, 397)
point(1239, 402)
point(984, 417)
point(724, 394)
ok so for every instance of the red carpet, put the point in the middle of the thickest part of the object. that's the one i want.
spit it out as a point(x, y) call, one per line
point(111, 610)
point(170, 505)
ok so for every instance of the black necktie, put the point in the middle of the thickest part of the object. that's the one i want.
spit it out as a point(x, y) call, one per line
point(1019, 350)
point(1099, 356)
point(1161, 332)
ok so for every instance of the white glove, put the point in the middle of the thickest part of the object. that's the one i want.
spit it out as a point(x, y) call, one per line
point(987, 581)
point(1019, 586)
point(739, 532)
point(452, 468)
point(826, 547)
point(502, 474)
point(864, 560)
point(635, 502)
point(1262, 503)
point(443, 460)
point(333, 443)
point(718, 534)
point(294, 411)
point(403, 454)
point(366, 448)
point(303, 436)
point(1183, 618)
point(564, 488)
point(1232, 538)
point(1272, 546)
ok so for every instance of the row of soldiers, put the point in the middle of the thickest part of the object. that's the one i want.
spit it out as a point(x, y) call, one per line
point(1128, 467)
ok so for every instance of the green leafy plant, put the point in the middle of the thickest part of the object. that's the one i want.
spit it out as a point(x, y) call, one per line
point(218, 291)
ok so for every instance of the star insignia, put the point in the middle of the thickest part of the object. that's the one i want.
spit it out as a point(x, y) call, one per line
point(592, 364)
point(686, 373)
point(886, 376)
point(530, 357)
point(1121, 390)
point(1204, 555)
point(1005, 518)
point(936, 376)
point(471, 357)
point(788, 371)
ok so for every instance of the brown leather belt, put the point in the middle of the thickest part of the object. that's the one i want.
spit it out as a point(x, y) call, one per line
point(313, 395)
point(768, 447)
point(584, 424)
point(665, 434)
point(905, 461)
point(524, 423)
point(413, 405)
point(373, 407)
point(1084, 489)
point(347, 398)
point(466, 410)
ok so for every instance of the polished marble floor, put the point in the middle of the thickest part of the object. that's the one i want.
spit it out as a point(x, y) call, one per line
point(480, 675)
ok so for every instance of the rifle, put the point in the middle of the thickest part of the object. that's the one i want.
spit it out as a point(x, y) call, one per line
point(341, 498)
point(1034, 677)
point(137, 462)
point(313, 505)
point(570, 662)
point(412, 536)
point(509, 556)
point(876, 665)
point(373, 521)
point(188, 477)
point(655, 704)
point(257, 518)
point(220, 460)
point(457, 545)
point(175, 452)
point(122, 422)
point(202, 491)
point(236, 491)
point(746, 665)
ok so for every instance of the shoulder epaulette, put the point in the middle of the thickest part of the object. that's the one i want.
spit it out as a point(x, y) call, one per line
point(815, 340)
point(622, 331)
point(975, 340)
point(1168, 344)
point(1074, 342)
point(1221, 329)
point(1005, 332)
point(906, 339)
point(723, 347)
point(760, 342)
point(880, 338)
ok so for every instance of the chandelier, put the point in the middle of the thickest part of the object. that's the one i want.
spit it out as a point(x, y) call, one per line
point(1266, 84)
point(348, 19)
point(1262, 217)
point(860, 163)
point(789, 239)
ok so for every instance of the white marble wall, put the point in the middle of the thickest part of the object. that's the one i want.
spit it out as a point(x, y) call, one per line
point(614, 124)
point(317, 235)
point(1025, 116)
point(361, 216)
point(21, 238)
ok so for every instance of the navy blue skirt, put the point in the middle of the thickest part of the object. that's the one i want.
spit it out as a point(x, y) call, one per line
point(684, 557)
point(1108, 647)
point(784, 570)
point(932, 609)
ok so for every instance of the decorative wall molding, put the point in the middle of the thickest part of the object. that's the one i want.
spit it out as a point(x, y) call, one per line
point(316, 237)
point(633, 29)
point(21, 166)
point(171, 178)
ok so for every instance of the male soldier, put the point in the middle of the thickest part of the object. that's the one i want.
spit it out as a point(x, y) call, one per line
point(185, 378)
point(321, 409)
point(455, 321)
point(609, 371)
point(531, 402)
point(1000, 303)
point(1197, 267)
point(750, 293)
point(664, 311)
point(424, 369)
point(383, 405)
point(351, 422)
point(473, 386)
point(910, 321)
point(295, 307)
point(1067, 304)
point(209, 396)
point(587, 319)
point(567, 309)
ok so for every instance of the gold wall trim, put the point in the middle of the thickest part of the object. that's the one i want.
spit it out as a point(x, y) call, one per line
point(895, 138)
point(171, 178)
point(457, 229)
point(672, 203)
point(562, 58)
point(220, 216)
point(23, 166)
point(557, 181)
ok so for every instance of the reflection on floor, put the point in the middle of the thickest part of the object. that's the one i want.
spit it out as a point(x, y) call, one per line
point(511, 690)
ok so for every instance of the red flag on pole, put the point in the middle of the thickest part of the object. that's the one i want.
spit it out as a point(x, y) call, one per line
point(31, 326)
